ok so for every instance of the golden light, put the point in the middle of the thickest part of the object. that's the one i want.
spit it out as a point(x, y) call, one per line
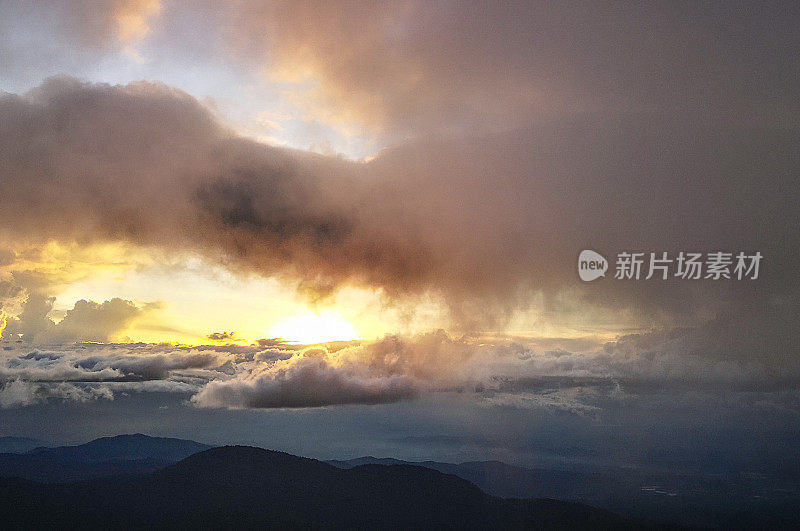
point(313, 328)
point(133, 18)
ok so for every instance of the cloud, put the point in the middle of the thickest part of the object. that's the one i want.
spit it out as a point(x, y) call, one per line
point(20, 393)
point(567, 401)
point(17, 393)
point(500, 372)
point(86, 321)
point(152, 366)
point(87, 371)
point(485, 223)
point(91, 321)
point(488, 223)
point(516, 136)
point(132, 18)
point(7, 256)
point(102, 363)
point(412, 68)
point(528, 374)
point(222, 336)
point(304, 381)
point(95, 24)
point(389, 370)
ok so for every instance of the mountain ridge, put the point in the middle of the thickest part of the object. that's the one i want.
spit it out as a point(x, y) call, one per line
point(12, 444)
point(105, 456)
point(251, 487)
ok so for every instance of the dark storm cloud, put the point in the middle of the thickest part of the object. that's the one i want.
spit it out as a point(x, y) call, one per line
point(409, 67)
point(481, 221)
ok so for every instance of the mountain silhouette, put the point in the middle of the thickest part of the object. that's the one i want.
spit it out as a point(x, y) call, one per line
point(19, 444)
point(107, 456)
point(658, 496)
point(135, 446)
point(245, 487)
point(497, 478)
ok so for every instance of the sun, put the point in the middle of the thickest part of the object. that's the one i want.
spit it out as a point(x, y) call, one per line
point(313, 328)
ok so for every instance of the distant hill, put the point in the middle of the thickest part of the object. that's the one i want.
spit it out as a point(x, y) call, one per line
point(498, 478)
point(19, 444)
point(150, 463)
point(736, 501)
point(245, 487)
point(135, 446)
point(123, 454)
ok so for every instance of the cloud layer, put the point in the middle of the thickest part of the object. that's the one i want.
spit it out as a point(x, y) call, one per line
point(86, 321)
point(529, 134)
point(304, 381)
point(483, 222)
point(543, 374)
point(431, 67)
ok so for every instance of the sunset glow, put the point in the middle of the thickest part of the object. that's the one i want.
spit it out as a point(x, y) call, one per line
point(548, 235)
point(314, 328)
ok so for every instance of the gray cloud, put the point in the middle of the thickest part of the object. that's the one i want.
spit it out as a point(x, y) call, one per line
point(101, 363)
point(484, 222)
point(88, 371)
point(222, 336)
point(415, 67)
point(86, 321)
point(20, 393)
point(7, 256)
point(528, 374)
point(307, 381)
point(154, 366)
point(411, 68)
point(502, 373)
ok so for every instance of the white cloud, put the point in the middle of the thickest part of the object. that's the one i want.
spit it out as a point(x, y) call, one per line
point(19, 393)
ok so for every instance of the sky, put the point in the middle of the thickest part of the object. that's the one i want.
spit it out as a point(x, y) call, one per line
point(341, 228)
